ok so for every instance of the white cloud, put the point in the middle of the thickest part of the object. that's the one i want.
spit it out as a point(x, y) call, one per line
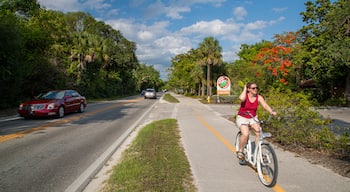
point(280, 19)
point(240, 13)
point(126, 26)
point(162, 49)
point(74, 5)
point(96, 4)
point(279, 10)
point(62, 5)
point(174, 12)
point(255, 25)
point(173, 44)
point(212, 28)
point(145, 35)
point(216, 3)
point(154, 10)
point(229, 56)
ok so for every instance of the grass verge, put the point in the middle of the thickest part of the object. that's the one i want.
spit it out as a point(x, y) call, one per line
point(168, 97)
point(155, 161)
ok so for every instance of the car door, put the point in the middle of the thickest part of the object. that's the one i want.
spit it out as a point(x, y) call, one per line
point(76, 100)
point(68, 101)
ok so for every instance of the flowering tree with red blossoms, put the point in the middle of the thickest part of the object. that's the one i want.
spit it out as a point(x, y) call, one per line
point(275, 59)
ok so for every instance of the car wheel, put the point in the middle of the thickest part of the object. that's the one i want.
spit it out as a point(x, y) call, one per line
point(81, 108)
point(61, 112)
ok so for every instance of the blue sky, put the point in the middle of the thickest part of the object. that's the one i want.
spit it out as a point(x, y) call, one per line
point(162, 29)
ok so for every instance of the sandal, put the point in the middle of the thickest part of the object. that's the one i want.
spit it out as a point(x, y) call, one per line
point(240, 155)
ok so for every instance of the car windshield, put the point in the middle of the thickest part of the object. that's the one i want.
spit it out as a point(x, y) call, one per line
point(52, 95)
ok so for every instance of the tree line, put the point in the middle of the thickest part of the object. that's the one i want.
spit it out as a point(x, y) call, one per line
point(314, 59)
point(42, 50)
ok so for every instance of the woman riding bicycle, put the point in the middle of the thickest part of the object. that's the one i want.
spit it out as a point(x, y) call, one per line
point(249, 104)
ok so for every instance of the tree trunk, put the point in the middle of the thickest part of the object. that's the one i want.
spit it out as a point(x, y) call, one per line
point(208, 81)
point(347, 88)
point(199, 90)
point(203, 87)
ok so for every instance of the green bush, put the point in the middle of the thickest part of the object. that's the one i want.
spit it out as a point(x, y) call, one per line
point(298, 124)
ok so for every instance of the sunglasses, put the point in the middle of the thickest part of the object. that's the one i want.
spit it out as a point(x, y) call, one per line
point(254, 88)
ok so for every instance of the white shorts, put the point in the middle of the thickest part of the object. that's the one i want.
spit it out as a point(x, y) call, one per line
point(246, 121)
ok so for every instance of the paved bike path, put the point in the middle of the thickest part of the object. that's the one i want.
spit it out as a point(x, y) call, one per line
point(208, 140)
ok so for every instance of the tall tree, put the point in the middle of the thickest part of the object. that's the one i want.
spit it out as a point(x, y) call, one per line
point(275, 60)
point(209, 54)
point(326, 39)
point(182, 66)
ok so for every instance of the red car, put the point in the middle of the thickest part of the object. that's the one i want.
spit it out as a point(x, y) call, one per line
point(53, 103)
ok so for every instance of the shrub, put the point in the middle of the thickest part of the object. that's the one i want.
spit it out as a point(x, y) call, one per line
point(298, 123)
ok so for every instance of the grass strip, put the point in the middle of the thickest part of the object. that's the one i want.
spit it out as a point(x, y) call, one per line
point(168, 97)
point(155, 161)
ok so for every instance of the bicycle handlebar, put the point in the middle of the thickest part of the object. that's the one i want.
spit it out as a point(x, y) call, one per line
point(258, 121)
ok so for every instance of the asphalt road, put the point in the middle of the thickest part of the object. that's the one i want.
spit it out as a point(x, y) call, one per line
point(61, 154)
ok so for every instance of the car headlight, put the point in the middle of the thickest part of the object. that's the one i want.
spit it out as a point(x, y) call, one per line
point(20, 106)
point(51, 106)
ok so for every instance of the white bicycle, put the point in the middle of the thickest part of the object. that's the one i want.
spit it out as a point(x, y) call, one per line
point(262, 158)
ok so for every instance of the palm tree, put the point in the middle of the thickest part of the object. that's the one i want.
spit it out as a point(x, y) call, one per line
point(209, 53)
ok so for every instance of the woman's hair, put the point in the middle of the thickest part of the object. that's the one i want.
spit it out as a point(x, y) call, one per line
point(250, 84)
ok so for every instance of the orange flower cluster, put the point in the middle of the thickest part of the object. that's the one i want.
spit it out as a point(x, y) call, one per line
point(276, 57)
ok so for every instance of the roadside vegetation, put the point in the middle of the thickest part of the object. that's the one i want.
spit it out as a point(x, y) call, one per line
point(44, 50)
point(155, 161)
point(168, 97)
point(299, 125)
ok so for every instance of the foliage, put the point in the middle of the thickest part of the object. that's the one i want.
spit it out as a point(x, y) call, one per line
point(146, 77)
point(209, 54)
point(267, 64)
point(43, 49)
point(11, 49)
point(154, 162)
point(244, 70)
point(299, 124)
point(325, 55)
point(183, 66)
point(191, 71)
point(275, 60)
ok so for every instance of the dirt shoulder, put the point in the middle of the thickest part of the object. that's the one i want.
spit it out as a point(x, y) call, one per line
point(339, 166)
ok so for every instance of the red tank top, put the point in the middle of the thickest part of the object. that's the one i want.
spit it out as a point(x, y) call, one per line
point(247, 106)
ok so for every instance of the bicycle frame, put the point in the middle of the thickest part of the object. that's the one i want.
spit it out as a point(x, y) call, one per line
point(252, 156)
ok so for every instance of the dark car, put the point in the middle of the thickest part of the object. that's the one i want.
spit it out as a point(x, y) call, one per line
point(55, 103)
point(150, 94)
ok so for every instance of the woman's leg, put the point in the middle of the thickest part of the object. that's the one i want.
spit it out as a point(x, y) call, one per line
point(244, 138)
point(256, 129)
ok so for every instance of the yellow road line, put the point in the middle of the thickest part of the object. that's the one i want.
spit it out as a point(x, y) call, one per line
point(276, 188)
point(65, 120)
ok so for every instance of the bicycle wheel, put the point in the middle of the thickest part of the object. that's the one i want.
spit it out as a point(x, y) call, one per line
point(267, 165)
